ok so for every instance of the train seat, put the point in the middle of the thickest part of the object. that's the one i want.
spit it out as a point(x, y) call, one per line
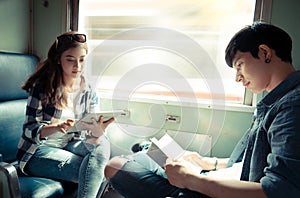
point(14, 69)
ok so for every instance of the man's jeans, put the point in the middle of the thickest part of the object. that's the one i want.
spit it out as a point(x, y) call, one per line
point(142, 177)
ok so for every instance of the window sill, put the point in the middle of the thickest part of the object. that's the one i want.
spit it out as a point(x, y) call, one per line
point(184, 101)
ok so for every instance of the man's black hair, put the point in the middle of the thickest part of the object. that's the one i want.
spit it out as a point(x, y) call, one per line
point(249, 38)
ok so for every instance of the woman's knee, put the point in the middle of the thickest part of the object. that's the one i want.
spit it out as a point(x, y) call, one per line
point(113, 165)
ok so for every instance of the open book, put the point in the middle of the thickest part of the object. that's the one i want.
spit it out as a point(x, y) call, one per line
point(88, 119)
point(167, 149)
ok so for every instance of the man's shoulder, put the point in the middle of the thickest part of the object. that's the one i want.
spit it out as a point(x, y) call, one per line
point(293, 95)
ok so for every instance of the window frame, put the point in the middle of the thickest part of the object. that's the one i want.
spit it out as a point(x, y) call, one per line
point(262, 12)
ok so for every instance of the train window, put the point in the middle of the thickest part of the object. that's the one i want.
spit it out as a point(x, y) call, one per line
point(168, 49)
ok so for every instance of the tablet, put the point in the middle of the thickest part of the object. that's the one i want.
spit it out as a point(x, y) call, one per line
point(88, 119)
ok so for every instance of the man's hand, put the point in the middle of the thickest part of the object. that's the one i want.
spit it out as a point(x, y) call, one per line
point(177, 172)
point(207, 163)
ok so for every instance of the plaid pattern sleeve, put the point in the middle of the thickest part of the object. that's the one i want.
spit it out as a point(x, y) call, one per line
point(93, 102)
point(38, 115)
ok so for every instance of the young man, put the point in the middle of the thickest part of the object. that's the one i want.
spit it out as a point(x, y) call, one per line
point(265, 162)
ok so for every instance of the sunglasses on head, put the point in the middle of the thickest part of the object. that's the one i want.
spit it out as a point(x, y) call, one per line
point(68, 38)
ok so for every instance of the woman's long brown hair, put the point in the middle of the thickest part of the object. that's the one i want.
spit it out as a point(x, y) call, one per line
point(49, 74)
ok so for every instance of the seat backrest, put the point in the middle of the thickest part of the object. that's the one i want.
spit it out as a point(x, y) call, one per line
point(14, 70)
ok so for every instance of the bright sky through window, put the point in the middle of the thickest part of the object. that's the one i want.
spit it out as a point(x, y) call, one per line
point(207, 24)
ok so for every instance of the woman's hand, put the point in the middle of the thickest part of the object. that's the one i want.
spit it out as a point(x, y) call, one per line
point(62, 127)
point(97, 128)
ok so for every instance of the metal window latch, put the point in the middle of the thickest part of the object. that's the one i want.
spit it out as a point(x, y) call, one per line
point(173, 118)
point(125, 113)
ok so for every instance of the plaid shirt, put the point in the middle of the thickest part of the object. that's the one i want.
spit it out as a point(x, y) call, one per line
point(39, 115)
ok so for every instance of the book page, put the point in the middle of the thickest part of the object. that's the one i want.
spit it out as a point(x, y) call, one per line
point(169, 147)
point(174, 151)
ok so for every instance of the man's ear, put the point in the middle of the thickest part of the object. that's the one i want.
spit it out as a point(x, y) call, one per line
point(265, 53)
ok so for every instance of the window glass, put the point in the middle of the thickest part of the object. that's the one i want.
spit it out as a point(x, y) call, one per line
point(144, 48)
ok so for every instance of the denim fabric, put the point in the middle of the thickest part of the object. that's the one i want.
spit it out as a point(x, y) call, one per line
point(79, 162)
point(39, 115)
point(142, 177)
point(272, 155)
point(271, 151)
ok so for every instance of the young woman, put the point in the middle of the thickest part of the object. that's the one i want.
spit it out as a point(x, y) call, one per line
point(58, 96)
